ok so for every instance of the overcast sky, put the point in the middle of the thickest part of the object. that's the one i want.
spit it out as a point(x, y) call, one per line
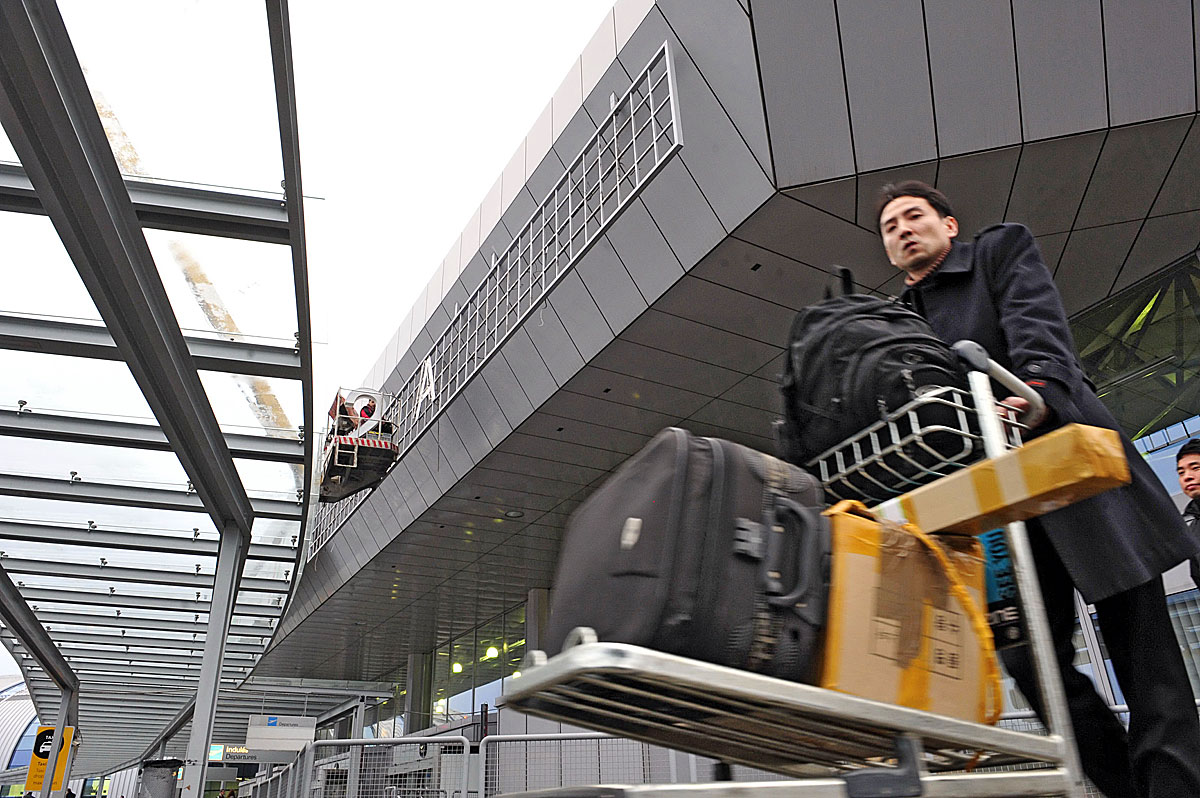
point(408, 111)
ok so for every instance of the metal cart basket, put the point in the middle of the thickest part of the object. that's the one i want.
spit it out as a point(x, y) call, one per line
point(833, 744)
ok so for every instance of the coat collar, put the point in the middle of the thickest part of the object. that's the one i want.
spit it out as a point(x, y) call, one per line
point(959, 259)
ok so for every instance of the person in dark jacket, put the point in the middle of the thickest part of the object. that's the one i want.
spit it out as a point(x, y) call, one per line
point(1113, 547)
point(1187, 466)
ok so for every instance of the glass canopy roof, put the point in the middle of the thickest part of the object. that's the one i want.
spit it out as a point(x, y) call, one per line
point(156, 388)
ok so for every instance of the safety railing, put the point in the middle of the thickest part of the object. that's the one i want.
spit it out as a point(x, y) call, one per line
point(631, 145)
point(397, 767)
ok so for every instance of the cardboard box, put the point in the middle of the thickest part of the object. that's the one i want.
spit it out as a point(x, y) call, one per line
point(898, 631)
point(1071, 463)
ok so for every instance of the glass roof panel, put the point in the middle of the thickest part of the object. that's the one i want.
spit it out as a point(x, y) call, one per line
point(241, 402)
point(182, 107)
point(70, 385)
point(39, 277)
point(227, 285)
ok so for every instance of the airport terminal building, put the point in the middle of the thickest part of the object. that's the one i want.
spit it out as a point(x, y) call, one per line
point(637, 264)
point(639, 260)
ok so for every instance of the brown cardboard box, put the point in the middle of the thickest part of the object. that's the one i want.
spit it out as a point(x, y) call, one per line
point(1071, 463)
point(898, 631)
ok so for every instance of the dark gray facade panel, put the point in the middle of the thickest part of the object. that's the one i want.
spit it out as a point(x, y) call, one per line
point(579, 314)
point(682, 213)
point(748, 268)
point(421, 345)
point(635, 392)
point(869, 185)
point(687, 337)
point(978, 186)
point(1051, 178)
point(1151, 59)
point(439, 467)
point(485, 407)
point(974, 75)
point(649, 363)
point(756, 392)
point(376, 526)
point(570, 141)
point(730, 310)
point(1131, 169)
point(1060, 65)
point(545, 425)
point(395, 498)
point(607, 414)
point(723, 166)
point(891, 119)
point(1181, 189)
point(610, 285)
point(803, 87)
point(552, 342)
point(456, 297)
point(1090, 262)
point(474, 270)
point(839, 197)
point(537, 467)
point(718, 39)
point(528, 366)
point(507, 390)
point(563, 452)
point(422, 478)
point(758, 442)
point(1162, 240)
point(437, 323)
point(737, 418)
point(644, 252)
point(614, 81)
point(519, 209)
point(545, 176)
point(1051, 247)
point(403, 481)
point(807, 235)
point(406, 367)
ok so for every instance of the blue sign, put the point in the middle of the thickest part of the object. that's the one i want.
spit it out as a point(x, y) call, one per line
point(272, 721)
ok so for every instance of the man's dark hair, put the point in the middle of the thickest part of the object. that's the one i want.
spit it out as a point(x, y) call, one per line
point(911, 188)
point(1191, 447)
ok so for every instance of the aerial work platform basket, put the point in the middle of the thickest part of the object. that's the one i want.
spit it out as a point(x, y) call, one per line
point(359, 445)
point(831, 743)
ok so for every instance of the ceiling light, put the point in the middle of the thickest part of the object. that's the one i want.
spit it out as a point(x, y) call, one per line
point(514, 514)
point(456, 667)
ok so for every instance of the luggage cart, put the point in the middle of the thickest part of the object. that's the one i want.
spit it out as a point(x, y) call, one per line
point(832, 744)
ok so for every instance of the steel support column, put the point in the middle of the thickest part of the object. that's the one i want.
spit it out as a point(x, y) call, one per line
point(230, 559)
point(67, 710)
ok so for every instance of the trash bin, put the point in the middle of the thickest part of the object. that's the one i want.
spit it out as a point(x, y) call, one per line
point(158, 778)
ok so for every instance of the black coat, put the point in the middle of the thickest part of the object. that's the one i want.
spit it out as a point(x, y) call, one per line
point(997, 291)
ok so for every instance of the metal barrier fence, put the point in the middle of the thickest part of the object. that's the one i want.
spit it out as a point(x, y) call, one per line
point(631, 145)
point(399, 767)
point(521, 762)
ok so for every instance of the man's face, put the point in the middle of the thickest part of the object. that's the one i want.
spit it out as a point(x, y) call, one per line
point(914, 235)
point(1188, 469)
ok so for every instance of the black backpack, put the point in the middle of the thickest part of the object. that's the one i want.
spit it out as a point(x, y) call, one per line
point(853, 359)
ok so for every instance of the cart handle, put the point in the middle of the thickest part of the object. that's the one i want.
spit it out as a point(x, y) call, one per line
point(976, 358)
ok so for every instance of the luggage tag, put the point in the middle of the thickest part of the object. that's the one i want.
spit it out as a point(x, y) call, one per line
point(1005, 615)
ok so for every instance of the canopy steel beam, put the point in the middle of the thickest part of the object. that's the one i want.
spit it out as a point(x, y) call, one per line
point(140, 643)
point(138, 674)
point(146, 624)
point(149, 576)
point(74, 652)
point(279, 30)
point(104, 432)
point(131, 496)
point(171, 206)
point(32, 636)
point(75, 339)
point(51, 120)
point(121, 601)
point(132, 541)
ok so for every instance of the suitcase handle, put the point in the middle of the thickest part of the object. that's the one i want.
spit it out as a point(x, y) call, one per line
point(814, 545)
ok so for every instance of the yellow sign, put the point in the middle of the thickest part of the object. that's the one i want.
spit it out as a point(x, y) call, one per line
point(41, 754)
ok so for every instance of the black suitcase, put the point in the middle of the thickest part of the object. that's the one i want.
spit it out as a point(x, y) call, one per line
point(703, 548)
